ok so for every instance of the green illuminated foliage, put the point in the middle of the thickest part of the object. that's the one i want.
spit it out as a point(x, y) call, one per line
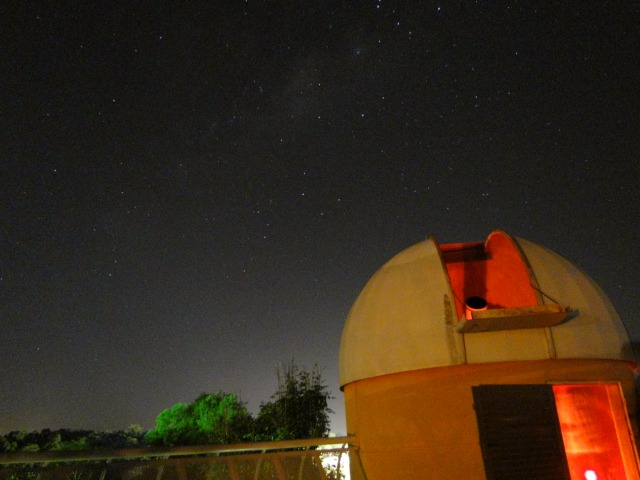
point(211, 419)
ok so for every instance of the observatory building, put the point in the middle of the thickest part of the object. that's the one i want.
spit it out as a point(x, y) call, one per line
point(489, 360)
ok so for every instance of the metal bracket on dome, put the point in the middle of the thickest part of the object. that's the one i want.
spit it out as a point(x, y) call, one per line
point(535, 316)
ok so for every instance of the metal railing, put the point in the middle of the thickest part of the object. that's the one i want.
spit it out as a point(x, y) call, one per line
point(312, 459)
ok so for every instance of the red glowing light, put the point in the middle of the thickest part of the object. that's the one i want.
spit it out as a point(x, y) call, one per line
point(590, 418)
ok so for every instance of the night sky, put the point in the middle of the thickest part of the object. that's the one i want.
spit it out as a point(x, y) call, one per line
point(193, 193)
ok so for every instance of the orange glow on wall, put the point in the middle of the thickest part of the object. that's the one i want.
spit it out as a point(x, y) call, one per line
point(595, 432)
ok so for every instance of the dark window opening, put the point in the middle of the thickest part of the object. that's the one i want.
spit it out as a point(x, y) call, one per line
point(520, 432)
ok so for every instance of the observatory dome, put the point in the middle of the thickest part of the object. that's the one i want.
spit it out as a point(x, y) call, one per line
point(505, 299)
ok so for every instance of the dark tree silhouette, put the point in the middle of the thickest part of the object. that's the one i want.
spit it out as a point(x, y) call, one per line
point(298, 409)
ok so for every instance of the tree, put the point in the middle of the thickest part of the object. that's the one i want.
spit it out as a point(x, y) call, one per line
point(172, 426)
point(299, 408)
point(211, 419)
point(7, 445)
point(65, 439)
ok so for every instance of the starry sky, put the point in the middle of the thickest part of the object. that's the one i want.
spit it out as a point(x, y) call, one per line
point(192, 193)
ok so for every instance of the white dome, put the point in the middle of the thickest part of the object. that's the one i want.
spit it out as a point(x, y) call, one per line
point(408, 316)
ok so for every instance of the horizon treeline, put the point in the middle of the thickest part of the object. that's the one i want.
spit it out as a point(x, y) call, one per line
point(71, 439)
point(298, 409)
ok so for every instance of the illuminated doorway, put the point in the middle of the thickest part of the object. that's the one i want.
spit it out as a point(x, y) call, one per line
point(595, 431)
point(555, 432)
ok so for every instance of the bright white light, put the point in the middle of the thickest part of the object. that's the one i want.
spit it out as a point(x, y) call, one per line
point(590, 475)
point(334, 462)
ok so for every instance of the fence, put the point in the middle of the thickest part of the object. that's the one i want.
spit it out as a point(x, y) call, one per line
point(313, 459)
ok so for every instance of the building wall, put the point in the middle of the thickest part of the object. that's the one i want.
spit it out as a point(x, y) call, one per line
point(421, 423)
